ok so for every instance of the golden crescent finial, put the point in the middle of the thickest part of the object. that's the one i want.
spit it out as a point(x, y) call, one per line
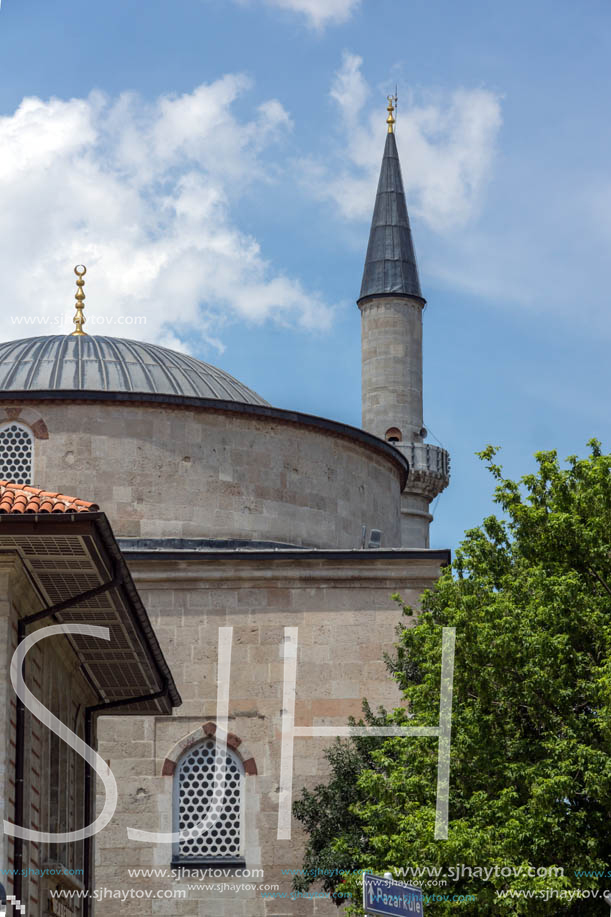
point(390, 120)
point(79, 319)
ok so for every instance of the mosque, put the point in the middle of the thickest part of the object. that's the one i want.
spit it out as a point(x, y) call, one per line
point(226, 547)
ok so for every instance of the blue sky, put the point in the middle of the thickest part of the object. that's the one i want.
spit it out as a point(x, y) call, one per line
point(214, 164)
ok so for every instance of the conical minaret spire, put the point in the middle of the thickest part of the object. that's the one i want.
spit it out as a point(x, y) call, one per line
point(390, 265)
point(391, 305)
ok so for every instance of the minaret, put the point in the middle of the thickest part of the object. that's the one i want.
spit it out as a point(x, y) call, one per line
point(391, 306)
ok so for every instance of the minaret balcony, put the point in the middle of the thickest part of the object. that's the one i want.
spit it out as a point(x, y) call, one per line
point(429, 468)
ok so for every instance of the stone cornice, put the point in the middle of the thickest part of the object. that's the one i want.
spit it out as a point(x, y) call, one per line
point(386, 569)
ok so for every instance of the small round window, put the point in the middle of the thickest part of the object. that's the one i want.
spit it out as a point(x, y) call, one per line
point(16, 451)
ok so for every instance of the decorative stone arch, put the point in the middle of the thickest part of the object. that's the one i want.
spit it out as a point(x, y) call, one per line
point(27, 416)
point(208, 731)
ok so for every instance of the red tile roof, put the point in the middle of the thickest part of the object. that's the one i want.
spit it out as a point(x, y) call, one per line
point(21, 498)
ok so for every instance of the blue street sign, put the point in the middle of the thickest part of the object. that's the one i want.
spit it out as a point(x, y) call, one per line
point(390, 898)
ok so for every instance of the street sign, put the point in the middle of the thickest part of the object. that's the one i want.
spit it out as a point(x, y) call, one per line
point(390, 898)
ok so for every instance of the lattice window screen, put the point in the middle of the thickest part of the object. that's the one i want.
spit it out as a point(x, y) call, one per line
point(195, 780)
point(16, 446)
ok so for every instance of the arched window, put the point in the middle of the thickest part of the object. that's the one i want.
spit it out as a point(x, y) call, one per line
point(393, 435)
point(16, 453)
point(195, 788)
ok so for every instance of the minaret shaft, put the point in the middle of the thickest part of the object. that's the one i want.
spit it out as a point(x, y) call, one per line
point(391, 307)
point(391, 330)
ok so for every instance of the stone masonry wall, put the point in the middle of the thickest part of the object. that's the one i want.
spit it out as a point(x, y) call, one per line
point(346, 619)
point(162, 471)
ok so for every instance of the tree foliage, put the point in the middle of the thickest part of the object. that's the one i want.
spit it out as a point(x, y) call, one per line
point(529, 593)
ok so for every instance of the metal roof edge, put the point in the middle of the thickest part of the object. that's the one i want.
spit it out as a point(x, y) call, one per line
point(366, 554)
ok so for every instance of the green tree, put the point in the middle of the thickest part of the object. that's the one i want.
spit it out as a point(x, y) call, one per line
point(529, 594)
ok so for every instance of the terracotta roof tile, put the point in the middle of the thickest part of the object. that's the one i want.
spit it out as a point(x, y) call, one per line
point(22, 498)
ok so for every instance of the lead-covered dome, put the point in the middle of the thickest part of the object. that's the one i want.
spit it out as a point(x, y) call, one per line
point(104, 364)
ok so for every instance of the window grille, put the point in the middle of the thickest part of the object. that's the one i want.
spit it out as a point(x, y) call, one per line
point(16, 447)
point(194, 793)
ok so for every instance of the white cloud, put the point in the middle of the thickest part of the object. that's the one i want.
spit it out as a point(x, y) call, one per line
point(143, 194)
point(350, 89)
point(319, 13)
point(535, 239)
point(447, 145)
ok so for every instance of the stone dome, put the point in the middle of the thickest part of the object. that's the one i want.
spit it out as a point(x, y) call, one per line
point(96, 363)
